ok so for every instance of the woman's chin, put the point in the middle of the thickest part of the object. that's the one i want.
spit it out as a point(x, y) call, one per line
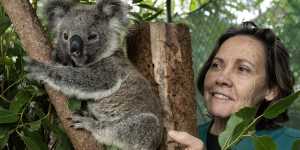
point(220, 113)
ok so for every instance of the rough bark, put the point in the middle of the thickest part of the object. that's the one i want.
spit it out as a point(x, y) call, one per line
point(35, 42)
point(162, 52)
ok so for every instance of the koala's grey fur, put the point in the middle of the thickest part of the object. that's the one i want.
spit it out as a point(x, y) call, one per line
point(91, 64)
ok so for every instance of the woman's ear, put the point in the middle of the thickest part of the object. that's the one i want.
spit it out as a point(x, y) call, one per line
point(272, 93)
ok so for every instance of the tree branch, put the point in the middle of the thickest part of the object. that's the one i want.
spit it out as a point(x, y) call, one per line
point(169, 10)
point(36, 44)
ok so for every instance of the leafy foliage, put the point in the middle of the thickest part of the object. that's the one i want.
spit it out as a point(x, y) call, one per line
point(242, 123)
point(26, 118)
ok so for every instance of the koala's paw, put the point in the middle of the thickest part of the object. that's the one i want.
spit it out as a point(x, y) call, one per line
point(82, 122)
point(36, 70)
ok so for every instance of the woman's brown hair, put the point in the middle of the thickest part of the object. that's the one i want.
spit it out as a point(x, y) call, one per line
point(277, 67)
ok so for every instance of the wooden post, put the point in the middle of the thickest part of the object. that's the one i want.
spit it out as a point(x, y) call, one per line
point(163, 53)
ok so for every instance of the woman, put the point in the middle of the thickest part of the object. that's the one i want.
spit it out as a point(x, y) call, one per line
point(248, 67)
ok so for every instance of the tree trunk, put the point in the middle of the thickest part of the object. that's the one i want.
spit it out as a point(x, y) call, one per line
point(162, 52)
point(36, 44)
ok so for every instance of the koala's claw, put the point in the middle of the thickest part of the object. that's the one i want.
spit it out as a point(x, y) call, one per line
point(81, 122)
point(27, 59)
point(36, 70)
point(81, 113)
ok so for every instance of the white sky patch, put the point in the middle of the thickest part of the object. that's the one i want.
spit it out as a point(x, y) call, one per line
point(252, 14)
point(182, 9)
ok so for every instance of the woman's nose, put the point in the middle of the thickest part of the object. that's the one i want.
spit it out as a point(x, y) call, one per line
point(224, 78)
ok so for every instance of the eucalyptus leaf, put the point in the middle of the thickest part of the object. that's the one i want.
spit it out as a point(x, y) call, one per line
point(136, 1)
point(247, 113)
point(4, 135)
point(228, 132)
point(137, 16)
point(7, 116)
point(74, 104)
point(35, 125)
point(264, 143)
point(4, 24)
point(193, 6)
point(35, 90)
point(33, 140)
point(62, 139)
point(112, 147)
point(16, 50)
point(277, 108)
point(35, 111)
point(154, 15)
point(236, 125)
point(21, 98)
point(239, 131)
point(296, 145)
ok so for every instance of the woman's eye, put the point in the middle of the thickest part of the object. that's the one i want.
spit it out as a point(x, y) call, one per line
point(214, 65)
point(244, 69)
point(66, 36)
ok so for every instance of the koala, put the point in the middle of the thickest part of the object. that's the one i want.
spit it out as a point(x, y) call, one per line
point(90, 63)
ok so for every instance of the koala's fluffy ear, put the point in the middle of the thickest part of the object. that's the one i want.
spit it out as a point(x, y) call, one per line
point(112, 8)
point(54, 10)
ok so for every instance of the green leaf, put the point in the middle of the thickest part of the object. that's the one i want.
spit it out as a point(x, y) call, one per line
point(247, 113)
point(277, 108)
point(154, 15)
point(7, 116)
point(296, 145)
point(240, 130)
point(34, 90)
point(35, 111)
point(201, 2)
point(74, 104)
point(112, 147)
point(137, 16)
point(4, 24)
point(236, 125)
point(63, 142)
point(35, 125)
point(264, 143)
point(193, 5)
point(21, 98)
point(136, 1)
point(16, 50)
point(4, 135)
point(232, 123)
point(33, 140)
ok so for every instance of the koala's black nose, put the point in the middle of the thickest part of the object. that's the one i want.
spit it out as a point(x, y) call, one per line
point(76, 45)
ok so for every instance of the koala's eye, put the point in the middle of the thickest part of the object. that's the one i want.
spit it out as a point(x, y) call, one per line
point(66, 36)
point(92, 36)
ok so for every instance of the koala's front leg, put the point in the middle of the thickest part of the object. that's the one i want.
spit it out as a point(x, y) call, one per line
point(81, 82)
point(36, 70)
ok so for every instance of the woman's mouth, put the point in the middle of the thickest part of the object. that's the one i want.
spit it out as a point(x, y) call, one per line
point(221, 96)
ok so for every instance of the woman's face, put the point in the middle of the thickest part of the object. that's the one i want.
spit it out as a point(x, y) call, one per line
point(236, 77)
